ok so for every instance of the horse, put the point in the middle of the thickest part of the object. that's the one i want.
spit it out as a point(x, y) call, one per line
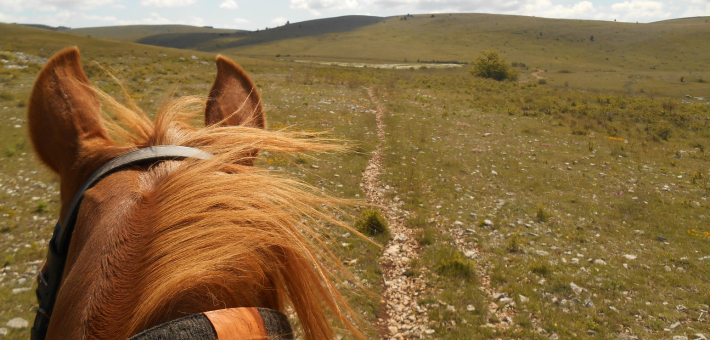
point(155, 241)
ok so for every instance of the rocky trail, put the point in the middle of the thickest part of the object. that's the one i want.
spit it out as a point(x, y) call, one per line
point(535, 74)
point(402, 317)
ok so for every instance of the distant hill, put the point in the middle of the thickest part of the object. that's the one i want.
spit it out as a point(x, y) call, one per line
point(215, 41)
point(45, 43)
point(45, 27)
point(555, 44)
point(132, 33)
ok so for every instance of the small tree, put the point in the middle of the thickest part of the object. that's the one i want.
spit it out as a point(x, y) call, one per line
point(591, 38)
point(489, 65)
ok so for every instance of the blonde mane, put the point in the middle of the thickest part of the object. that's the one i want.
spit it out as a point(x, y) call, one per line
point(219, 227)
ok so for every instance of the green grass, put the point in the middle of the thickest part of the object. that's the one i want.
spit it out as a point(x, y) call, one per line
point(625, 57)
point(612, 172)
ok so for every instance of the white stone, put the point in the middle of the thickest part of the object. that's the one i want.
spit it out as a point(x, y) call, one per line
point(488, 223)
point(470, 308)
point(576, 289)
point(599, 262)
point(17, 323)
point(393, 250)
point(523, 299)
point(630, 257)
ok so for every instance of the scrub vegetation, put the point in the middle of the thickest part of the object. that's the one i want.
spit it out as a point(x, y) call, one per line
point(581, 201)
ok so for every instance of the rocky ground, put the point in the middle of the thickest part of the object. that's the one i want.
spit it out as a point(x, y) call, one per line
point(404, 318)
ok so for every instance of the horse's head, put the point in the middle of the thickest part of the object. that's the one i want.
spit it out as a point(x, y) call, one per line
point(66, 124)
point(157, 241)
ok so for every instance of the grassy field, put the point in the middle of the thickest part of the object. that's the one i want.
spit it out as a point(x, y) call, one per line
point(598, 55)
point(584, 205)
point(645, 58)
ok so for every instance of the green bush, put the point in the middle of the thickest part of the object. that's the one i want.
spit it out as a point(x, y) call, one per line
point(514, 243)
point(542, 215)
point(42, 207)
point(372, 223)
point(662, 131)
point(540, 269)
point(453, 264)
point(491, 66)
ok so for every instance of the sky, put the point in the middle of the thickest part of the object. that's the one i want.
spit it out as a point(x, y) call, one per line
point(252, 15)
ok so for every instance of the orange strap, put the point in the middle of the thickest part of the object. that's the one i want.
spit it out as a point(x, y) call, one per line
point(238, 324)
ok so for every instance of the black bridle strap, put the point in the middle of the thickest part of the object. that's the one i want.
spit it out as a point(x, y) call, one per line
point(50, 280)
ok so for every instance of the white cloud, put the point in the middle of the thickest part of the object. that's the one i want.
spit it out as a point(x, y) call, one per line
point(241, 21)
point(315, 5)
point(167, 3)
point(229, 4)
point(640, 10)
point(11, 18)
point(279, 21)
point(11, 5)
point(153, 19)
point(697, 8)
point(62, 18)
point(197, 21)
point(53, 5)
point(580, 10)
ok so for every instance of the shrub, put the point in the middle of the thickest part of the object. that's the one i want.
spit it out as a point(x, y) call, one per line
point(542, 81)
point(696, 176)
point(662, 131)
point(514, 243)
point(425, 235)
point(491, 66)
point(453, 264)
point(41, 207)
point(540, 269)
point(542, 215)
point(372, 223)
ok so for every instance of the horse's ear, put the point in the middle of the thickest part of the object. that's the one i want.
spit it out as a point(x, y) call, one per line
point(64, 113)
point(233, 98)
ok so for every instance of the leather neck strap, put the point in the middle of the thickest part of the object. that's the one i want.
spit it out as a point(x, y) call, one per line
point(50, 280)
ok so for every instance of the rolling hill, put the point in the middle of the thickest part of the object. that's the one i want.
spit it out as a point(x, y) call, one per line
point(132, 33)
point(217, 41)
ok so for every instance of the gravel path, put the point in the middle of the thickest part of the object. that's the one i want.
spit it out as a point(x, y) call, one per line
point(535, 74)
point(403, 318)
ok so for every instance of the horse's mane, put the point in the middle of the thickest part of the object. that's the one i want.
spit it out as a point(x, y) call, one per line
point(222, 227)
